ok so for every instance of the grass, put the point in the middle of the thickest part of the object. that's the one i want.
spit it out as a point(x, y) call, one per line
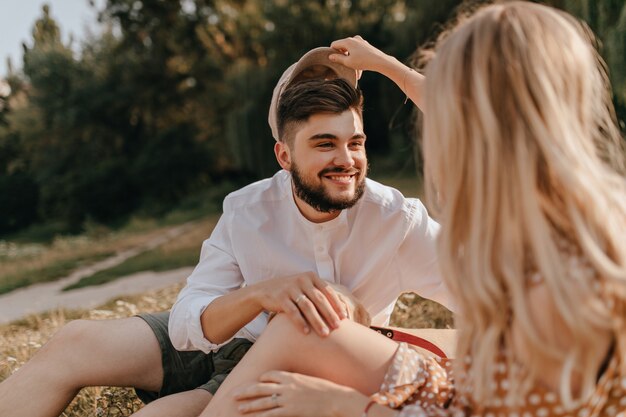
point(26, 264)
point(21, 340)
point(153, 260)
point(179, 252)
point(51, 272)
point(60, 258)
point(41, 254)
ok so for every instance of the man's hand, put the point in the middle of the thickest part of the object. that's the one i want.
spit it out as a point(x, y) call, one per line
point(308, 301)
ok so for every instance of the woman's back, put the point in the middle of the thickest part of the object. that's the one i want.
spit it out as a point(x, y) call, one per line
point(522, 159)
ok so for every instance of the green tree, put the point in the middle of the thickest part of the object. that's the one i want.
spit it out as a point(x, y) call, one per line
point(174, 95)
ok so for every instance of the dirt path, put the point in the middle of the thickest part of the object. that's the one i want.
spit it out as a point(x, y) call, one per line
point(43, 297)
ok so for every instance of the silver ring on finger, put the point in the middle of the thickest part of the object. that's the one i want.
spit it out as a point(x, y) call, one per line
point(275, 399)
point(299, 298)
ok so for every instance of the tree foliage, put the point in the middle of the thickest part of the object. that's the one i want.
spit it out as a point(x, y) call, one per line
point(172, 96)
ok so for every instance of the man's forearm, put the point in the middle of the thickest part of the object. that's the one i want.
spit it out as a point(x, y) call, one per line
point(226, 315)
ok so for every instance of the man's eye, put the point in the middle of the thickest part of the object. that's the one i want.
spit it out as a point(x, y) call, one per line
point(356, 144)
point(324, 145)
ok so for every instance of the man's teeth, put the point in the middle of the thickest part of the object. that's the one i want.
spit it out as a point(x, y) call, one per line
point(341, 178)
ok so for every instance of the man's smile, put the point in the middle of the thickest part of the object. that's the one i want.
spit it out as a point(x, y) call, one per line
point(340, 177)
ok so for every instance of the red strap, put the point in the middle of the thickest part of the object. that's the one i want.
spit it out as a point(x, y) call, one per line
point(411, 339)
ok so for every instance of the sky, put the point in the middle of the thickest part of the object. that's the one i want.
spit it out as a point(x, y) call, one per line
point(17, 18)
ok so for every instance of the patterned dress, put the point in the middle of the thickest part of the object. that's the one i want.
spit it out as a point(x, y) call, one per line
point(420, 386)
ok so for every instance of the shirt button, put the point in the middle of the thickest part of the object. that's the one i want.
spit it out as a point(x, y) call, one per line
point(319, 249)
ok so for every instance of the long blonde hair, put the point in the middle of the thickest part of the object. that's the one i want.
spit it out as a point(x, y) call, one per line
point(522, 151)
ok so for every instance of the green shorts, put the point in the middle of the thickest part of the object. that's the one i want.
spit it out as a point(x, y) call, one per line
point(184, 371)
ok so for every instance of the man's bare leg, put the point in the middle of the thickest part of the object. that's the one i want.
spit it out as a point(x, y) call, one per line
point(352, 355)
point(83, 353)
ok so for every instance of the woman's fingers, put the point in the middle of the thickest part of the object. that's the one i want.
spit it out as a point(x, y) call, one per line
point(259, 389)
point(355, 53)
point(262, 396)
point(258, 404)
point(276, 377)
point(340, 45)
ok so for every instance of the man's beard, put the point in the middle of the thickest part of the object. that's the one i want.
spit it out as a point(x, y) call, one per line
point(316, 195)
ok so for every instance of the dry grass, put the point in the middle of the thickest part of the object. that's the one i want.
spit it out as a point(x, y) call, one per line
point(414, 312)
point(22, 339)
point(182, 250)
point(25, 264)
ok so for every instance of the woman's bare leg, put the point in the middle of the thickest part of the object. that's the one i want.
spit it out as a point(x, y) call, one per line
point(352, 355)
point(184, 404)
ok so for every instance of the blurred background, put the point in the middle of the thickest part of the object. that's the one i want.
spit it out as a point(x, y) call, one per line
point(163, 103)
point(124, 123)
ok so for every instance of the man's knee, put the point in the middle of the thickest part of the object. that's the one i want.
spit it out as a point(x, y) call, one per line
point(68, 337)
point(72, 334)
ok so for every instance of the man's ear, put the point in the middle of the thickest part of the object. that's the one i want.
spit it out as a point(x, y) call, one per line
point(283, 155)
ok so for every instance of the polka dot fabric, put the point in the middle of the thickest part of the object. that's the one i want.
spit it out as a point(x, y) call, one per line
point(424, 387)
point(417, 384)
point(420, 386)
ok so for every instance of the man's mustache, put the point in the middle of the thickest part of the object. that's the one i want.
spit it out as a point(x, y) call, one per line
point(339, 170)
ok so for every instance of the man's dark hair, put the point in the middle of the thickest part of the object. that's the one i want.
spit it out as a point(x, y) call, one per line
point(303, 99)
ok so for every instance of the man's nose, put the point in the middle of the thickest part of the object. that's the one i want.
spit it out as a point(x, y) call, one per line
point(344, 158)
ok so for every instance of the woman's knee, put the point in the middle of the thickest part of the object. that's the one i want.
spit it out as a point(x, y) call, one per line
point(281, 324)
point(291, 335)
point(293, 339)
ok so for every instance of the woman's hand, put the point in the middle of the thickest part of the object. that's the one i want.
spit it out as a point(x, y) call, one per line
point(358, 54)
point(287, 394)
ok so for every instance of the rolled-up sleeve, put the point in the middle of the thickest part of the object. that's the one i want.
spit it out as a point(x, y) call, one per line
point(216, 274)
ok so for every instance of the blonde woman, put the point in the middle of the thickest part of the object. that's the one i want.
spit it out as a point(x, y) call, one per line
point(523, 167)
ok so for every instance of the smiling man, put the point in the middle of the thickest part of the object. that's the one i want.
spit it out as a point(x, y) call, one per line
point(277, 246)
point(319, 220)
point(326, 156)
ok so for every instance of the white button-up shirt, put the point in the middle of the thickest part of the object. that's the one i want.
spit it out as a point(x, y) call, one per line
point(384, 245)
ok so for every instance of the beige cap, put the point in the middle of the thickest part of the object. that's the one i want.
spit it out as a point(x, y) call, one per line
point(313, 65)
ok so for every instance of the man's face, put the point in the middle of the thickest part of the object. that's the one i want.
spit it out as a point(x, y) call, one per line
point(328, 161)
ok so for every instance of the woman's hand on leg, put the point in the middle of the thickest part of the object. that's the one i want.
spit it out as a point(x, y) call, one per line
point(287, 394)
